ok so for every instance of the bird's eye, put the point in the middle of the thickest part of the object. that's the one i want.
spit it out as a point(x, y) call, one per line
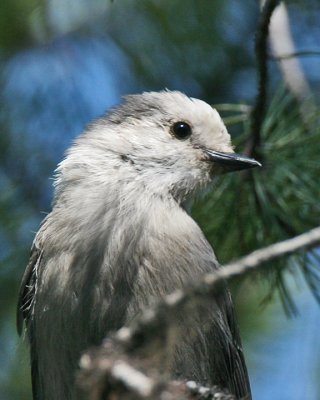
point(181, 130)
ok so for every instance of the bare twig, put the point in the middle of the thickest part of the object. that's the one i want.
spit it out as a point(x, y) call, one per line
point(258, 258)
point(261, 50)
point(294, 54)
point(109, 373)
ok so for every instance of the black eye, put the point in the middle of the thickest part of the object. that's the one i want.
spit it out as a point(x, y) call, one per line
point(181, 130)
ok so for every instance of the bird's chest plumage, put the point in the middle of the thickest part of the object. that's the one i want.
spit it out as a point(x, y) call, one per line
point(104, 280)
point(167, 254)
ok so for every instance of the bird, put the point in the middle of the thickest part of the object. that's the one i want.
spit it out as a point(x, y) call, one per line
point(119, 237)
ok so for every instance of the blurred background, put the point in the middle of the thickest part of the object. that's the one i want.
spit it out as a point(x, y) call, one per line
point(65, 62)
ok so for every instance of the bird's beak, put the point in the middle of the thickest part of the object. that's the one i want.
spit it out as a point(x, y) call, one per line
point(232, 161)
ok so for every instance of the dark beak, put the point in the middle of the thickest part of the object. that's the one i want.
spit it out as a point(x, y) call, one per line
point(232, 161)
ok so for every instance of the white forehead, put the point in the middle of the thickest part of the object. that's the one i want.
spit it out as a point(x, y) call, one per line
point(205, 120)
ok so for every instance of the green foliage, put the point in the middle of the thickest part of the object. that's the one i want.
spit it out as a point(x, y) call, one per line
point(17, 18)
point(277, 201)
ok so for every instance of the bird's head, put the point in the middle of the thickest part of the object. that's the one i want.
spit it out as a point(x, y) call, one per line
point(164, 141)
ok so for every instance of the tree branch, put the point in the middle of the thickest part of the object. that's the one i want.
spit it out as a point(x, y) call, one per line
point(261, 50)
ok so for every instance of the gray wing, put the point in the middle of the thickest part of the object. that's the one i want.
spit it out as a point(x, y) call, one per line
point(234, 374)
point(28, 288)
point(25, 310)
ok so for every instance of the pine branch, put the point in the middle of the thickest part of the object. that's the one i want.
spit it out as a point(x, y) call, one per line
point(258, 258)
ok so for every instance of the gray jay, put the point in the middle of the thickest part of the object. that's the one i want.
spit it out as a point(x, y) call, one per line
point(118, 239)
